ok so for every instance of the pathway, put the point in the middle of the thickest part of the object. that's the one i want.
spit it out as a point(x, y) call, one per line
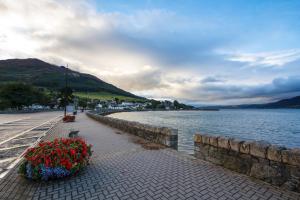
point(121, 169)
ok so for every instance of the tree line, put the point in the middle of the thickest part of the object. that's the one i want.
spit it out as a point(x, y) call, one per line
point(20, 95)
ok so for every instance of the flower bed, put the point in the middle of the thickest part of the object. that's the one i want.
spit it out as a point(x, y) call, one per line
point(56, 159)
point(69, 118)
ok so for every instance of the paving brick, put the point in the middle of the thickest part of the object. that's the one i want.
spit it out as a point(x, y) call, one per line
point(121, 169)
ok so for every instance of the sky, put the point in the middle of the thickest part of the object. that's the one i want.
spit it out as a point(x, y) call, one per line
point(199, 52)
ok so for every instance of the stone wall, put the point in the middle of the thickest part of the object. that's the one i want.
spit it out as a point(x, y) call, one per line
point(161, 135)
point(273, 164)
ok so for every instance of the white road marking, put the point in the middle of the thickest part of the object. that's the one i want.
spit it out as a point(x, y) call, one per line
point(20, 157)
point(15, 120)
point(8, 159)
point(15, 147)
point(28, 130)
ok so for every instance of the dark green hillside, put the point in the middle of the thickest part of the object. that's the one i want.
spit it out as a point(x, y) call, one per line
point(42, 74)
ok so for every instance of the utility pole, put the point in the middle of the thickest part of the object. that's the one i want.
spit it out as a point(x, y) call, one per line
point(66, 86)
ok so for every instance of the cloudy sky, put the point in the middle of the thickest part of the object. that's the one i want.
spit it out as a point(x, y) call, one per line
point(201, 52)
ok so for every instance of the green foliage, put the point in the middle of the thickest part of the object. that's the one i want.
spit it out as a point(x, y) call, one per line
point(154, 104)
point(161, 106)
point(106, 96)
point(82, 102)
point(18, 95)
point(117, 100)
point(178, 105)
point(66, 96)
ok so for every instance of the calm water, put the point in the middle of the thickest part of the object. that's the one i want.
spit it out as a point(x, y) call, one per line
point(277, 126)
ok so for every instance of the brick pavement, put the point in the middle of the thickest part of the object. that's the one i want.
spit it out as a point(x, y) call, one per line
point(121, 169)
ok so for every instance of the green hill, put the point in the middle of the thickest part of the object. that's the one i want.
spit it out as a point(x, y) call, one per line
point(39, 73)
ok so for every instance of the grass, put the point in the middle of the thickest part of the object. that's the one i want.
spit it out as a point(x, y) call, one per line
point(105, 96)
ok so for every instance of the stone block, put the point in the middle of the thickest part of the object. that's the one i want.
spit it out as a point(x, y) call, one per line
point(295, 157)
point(245, 147)
point(241, 164)
point(196, 147)
point(201, 151)
point(293, 182)
point(274, 153)
point(235, 145)
point(165, 131)
point(291, 156)
point(259, 148)
point(205, 139)
point(282, 173)
point(273, 174)
point(197, 138)
point(285, 154)
point(216, 155)
point(213, 140)
point(223, 142)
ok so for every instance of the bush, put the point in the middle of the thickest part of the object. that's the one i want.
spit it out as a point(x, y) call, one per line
point(56, 159)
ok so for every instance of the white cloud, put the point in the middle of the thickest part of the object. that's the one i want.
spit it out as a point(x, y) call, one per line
point(266, 59)
point(156, 53)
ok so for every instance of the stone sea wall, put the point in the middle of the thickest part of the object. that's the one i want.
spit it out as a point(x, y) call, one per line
point(273, 164)
point(160, 135)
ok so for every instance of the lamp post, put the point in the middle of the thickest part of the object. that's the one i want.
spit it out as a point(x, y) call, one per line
point(66, 86)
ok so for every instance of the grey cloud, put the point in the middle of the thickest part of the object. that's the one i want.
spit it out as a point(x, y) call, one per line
point(140, 81)
point(278, 88)
point(211, 79)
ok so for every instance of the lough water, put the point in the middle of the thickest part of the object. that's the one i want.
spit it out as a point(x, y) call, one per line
point(277, 126)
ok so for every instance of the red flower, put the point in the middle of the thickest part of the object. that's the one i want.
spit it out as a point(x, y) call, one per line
point(73, 152)
point(59, 153)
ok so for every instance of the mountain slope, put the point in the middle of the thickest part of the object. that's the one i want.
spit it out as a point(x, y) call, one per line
point(42, 74)
point(284, 103)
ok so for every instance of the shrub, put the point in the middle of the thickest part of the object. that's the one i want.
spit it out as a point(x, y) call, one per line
point(56, 159)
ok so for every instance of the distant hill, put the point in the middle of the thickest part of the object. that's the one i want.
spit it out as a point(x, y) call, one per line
point(285, 103)
point(42, 74)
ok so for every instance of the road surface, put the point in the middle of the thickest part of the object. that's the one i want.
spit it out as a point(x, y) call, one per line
point(20, 131)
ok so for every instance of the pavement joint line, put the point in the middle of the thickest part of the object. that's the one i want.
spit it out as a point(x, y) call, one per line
point(20, 157)
point(28, 130)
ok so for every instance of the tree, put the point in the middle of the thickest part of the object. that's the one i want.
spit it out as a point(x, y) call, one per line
point(18, 95)
point(117, 100)
point(82, 102)
point(176, 104)
point(66, 97)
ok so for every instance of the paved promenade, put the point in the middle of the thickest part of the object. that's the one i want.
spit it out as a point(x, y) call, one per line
point(122, 169)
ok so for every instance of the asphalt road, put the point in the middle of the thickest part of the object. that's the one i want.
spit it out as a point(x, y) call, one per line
point(20, 131)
